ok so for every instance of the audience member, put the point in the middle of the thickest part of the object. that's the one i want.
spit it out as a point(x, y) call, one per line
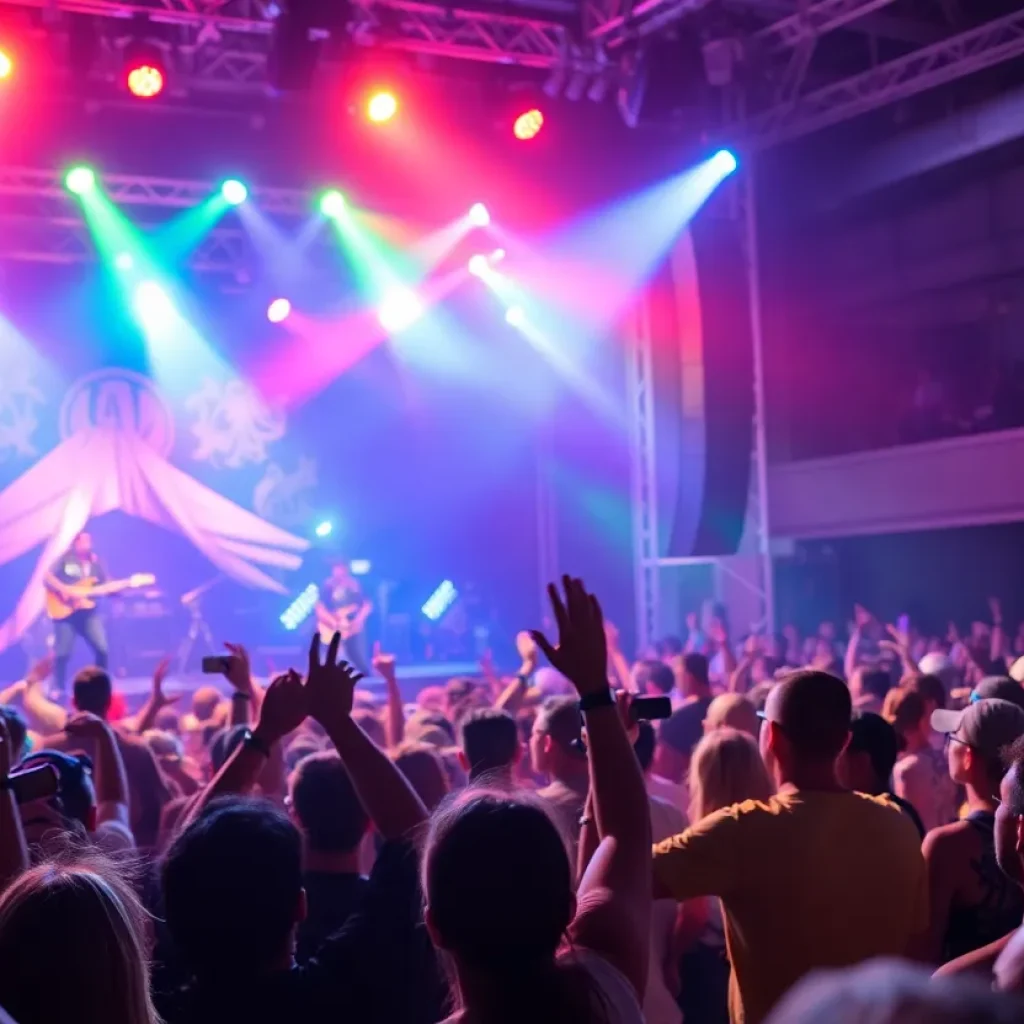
point(677, 736)
point(693, 680)
point(654, 678)
point(867, 762)
point(557, 753)
point(811, 855)
point(920, 776)
point(489, 744)
point(733, 711)
point(869, 687)
point(972, 902)
point(421, 764)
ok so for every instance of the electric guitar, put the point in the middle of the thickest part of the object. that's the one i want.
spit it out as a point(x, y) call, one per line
point(74, 597)
point(347, 620)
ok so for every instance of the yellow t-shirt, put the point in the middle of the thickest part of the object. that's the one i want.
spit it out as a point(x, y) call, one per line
point(807, 879)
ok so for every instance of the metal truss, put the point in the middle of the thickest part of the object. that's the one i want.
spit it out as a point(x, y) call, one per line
point(817, 19)
point(923, 69)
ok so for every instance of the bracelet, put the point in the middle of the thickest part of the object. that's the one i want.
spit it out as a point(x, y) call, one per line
point(241, 695)
point(251, 740)
point(601, 699)
point(584, 821)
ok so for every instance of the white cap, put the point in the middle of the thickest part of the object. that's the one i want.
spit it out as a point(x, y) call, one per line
point(936, 664)
point(1017, 670)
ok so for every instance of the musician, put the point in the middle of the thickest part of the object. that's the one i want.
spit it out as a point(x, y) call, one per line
point(344, 608)
point(77, 565)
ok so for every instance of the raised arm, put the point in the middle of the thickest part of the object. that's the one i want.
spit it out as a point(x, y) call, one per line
point(620, 674)
point(46, 716)
point(394, 725)
point(13, 850)
point(861, 618)
point(109, 774)
point(155, 702)
point(613, 918)
point(511, 698)
point(283, 710)
point(388, 799)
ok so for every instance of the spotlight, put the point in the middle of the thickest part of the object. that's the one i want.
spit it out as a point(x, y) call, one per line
point(324, 528)
point(515, 317)
point(332, 203)
point(400, 309)
point(478, 215)
point(527, 125)
point(80, 180)
point(144, 72)
point(440, 600)
point(6, 65)
point(123, 261)
point(278, 311)
point(381, 107)
point(496, 257)
point(301, 608)
point(234, 192)
point(726, 160)
point(360, 566)
point(151, 302)
point(478, 264)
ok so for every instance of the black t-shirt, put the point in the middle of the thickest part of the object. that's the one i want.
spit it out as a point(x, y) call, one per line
point(380, 966)
point(331, 898)
point(71, 568)
point(341, 594)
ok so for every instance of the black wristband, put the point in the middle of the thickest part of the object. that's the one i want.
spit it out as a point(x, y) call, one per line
point(5, 784)
point(241, 695)
point(250, 739)
point(600, 699)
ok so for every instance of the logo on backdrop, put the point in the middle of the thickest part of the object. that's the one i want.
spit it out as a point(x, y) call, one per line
point(232, 424)
point(19, 399)
point(121, 400)
point(282, 497)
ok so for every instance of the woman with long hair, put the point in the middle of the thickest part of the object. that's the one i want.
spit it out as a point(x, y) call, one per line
point(498, 881)
point(72, 946)
point(726, 768)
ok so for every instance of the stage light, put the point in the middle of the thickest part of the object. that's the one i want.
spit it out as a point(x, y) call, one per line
point(151, 302)
point(80, 180)
point(234, 192)
point(6, 65)
point(515, 317)
point(478, 264)
point(478, 215)
point(123, 261)
point(381, 107)
point(496, 257)
point(278, 311)
point(440, 601)
point(528, 124)
point(145, 79)
point(332, 203)
point(301, 608)
point(324, 528)
point(726, 161)
point(400, 309)
point(360, 567)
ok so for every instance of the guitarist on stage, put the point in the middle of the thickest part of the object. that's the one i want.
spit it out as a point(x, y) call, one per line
point(70, 572)
point(344, 609)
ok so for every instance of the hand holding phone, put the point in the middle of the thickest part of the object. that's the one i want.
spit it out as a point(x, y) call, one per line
point(216, 664)
point(39, 782)
point(646, 709)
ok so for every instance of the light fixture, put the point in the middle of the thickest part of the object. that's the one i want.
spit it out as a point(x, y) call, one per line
point(278, 311)
point(234, 192)
point(400, 309)
point(382, 106)
point(332, 203)
point(80, 180)
point(479, 216)
point(528, 124)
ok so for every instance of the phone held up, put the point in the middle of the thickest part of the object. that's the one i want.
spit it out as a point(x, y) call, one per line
point(647, 709)
point(216, 664)
point(37, 783)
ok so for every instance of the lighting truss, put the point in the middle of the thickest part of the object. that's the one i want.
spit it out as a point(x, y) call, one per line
point(815, 20)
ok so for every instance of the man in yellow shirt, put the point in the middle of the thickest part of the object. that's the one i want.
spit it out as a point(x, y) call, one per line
point(816, 876)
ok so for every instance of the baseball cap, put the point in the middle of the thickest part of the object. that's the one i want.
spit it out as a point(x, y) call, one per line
point(74, 786)
point(1017, 669)
point(987, 725)
point(935, 663)
point(1002, 687)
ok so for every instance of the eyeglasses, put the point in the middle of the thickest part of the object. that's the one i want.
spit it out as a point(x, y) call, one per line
point(950, 738)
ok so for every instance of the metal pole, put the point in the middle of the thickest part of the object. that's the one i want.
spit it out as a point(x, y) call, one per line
point(760, 441)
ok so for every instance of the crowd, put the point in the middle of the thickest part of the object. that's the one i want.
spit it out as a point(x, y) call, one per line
point(818, 830)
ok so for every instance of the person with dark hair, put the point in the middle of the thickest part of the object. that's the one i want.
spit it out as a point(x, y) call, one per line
point(527, 944)
point(972, 902)
point(694, 679)
point(920, 776)
point(868, 688)
point(17, 730)
point(332, 821)
point(489, 743)
point(677, 736)
point(787, 869)
point(653, 678)
point(233, 882)
point(556, 752)
point(868, 760)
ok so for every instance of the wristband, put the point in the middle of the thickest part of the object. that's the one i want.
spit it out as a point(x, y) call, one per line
point(600, 699)
point(241, 695)
point(6, 785)
point(251, 740)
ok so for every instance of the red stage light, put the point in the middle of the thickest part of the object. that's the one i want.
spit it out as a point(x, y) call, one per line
point(6, 65)
point(528, 124)
point(381, 107)
point(145, 81)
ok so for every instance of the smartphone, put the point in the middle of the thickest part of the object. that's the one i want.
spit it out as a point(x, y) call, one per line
point(37, 783)
point(216, 664)
point(645, 709)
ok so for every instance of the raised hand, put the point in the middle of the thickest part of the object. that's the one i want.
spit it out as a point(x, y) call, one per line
point(861, 616)
point(383, 663)
point(330, 685)
point(160, 699)
point(582, 651)
point(40, 670)
point(611, 635)
point(527, 648)
point(238, 673)
point(284, 707)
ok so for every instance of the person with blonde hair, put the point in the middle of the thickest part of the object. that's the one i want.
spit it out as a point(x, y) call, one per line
point(726, 769)
point(83, 918)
